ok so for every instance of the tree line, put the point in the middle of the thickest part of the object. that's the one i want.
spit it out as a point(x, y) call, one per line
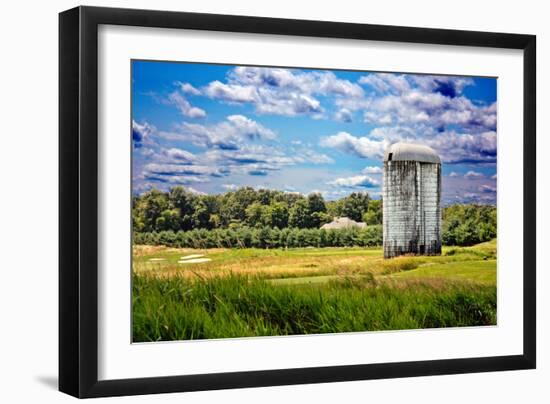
point(179, 209)
point(264, 218)
point(468, 224)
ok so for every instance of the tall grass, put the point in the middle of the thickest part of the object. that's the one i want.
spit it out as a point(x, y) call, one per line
point(239, 306)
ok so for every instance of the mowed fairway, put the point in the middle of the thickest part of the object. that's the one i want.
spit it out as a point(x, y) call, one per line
point(220, 293)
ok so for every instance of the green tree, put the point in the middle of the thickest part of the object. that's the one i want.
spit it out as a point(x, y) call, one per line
point(299, 214)
point(468, 224)
point(374, 213)
point(214, 221)
point(183, 200)
point(276, 215)
point(354, 205)
point(320, 218)
point(334, 208)
point(234, 204)
point(168, 220)
point(317, 209)
point(150, 208)
point(201, 214)
point(254, 214)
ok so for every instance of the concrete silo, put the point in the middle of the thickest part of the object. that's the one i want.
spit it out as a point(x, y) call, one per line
point(411, 200)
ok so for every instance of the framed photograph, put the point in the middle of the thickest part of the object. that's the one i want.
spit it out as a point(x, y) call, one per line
point(251, 201)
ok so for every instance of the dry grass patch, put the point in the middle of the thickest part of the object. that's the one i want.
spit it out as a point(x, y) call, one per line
point(402, 263)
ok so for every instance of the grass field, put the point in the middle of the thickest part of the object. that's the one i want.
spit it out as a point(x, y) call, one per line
point(254, 292)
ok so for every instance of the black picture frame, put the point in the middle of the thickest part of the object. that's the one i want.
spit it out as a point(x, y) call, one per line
point(78, 201)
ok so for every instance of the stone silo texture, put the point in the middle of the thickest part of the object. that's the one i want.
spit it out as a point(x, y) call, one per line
point(411, 200)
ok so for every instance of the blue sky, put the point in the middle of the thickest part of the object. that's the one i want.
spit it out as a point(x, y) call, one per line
point(213, 128)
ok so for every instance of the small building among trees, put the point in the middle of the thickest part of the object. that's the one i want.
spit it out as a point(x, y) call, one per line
point(343, 223)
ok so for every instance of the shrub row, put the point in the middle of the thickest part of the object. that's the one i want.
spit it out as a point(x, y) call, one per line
point(263, 237)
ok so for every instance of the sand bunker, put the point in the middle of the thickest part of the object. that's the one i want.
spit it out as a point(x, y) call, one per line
point(187, 257)
point(157, 259)
point(194, 261)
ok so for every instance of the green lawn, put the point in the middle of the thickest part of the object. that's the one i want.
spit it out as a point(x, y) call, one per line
point(472, 271)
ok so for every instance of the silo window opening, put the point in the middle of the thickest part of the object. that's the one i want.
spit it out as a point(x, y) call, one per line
point(390, 156)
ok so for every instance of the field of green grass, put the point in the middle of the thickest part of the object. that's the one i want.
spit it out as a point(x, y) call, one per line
point(255, 292)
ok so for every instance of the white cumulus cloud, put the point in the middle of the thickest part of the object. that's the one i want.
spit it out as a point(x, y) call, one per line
point(228, 134)
point(285, 92)
point(371, 170)
point(359, 146)
point(231, 92)
point(188, 88)
point(343, 115)
point(184, 106)
point(357, 181)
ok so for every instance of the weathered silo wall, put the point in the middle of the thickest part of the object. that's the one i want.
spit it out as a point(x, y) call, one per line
point(411, 201)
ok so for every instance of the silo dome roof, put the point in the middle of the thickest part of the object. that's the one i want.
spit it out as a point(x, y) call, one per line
point(411, 152)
